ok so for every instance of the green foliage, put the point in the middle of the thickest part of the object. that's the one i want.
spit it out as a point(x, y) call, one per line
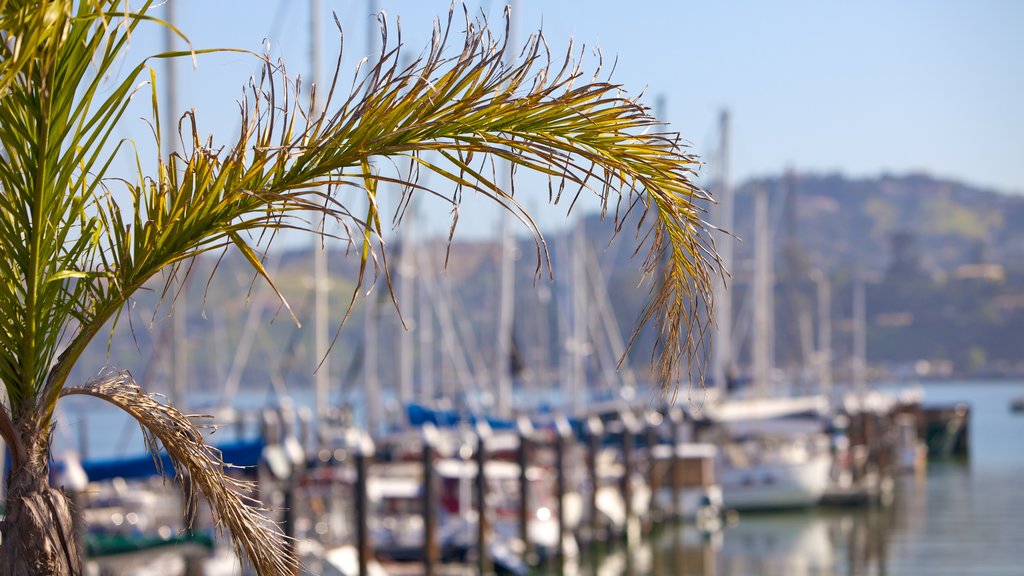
point(884, 215)
point(72, 256)
point(951, 218)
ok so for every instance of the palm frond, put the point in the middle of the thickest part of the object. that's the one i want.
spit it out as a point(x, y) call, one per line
point(54, 131)
point(166, 428)
point(448, 114)
point(72, 255)
point(27, 27)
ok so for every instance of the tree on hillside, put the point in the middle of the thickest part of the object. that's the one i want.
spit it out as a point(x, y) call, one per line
point(77, 241)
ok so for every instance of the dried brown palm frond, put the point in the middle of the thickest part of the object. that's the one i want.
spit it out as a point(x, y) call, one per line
point(198, 469)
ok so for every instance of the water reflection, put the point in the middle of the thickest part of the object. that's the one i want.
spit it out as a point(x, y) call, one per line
point(953, 522)
point(787, 544)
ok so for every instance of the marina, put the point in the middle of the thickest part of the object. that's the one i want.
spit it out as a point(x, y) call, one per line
point(460, 295)
point(761, 475)
point(870, 537)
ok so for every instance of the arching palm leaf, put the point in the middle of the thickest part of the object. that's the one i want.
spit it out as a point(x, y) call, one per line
point(73, 256)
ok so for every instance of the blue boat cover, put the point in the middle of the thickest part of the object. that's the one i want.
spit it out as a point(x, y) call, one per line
point(419, 415)
point(244, 453)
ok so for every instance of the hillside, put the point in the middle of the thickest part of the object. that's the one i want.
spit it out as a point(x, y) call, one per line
point(942, 261)
point(944, 264)
point(842, 222)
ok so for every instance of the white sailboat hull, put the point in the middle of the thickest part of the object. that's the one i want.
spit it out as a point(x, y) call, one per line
point(776, 484)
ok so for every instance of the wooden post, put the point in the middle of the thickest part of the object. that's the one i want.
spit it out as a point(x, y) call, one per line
point(654, 420)
point(595, 430)
point(363, 457)
point(296, 456)
point(675, 418)
point(563, 434)
point(239, 426)
point(885, 447)
point(629, 429)
point(483, 431)
point(83, 436)
point(270, 430)
point(525, 429)
point(305, 416)
point(288, 523)
point(871, 439)
point(431, 553)
point(858, 443)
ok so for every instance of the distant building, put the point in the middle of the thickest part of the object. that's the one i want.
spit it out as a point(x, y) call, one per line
point(987, 272)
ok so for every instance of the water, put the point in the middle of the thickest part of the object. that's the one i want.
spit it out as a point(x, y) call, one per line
point(960, 518)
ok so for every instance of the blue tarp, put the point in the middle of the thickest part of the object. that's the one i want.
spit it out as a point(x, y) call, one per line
point(420, 415)
point(245, 453)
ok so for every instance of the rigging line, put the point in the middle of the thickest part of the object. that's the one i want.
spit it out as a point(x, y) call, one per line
point(156, 360)
point(606, 318)
point(449, 333)
point(277, 23)
point(281, 17)
point(465, 333)
point(245, 344)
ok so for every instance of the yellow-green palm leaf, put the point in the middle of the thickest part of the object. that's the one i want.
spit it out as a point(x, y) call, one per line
point(72, 256)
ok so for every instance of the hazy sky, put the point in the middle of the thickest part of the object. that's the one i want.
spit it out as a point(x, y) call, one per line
point(854, 87)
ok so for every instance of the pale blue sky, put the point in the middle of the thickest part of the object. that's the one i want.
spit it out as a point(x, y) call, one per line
point(854, 87)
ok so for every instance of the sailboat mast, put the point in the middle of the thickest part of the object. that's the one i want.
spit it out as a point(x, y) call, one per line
point(859, 336)
point(578, 283)
point(506, 303)
point(180, 371)
point(723, 353)
point(371, 377)
point(824, 290)
point(425, 325)
point(763, 308)
point(406, 279)
point(322, 376)
point(605, 317)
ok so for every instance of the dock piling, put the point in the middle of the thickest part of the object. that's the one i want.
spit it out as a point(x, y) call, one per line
point(305, 417)
point(563, 435)
point(525, 430)
point(431, 553)
point(675, 419)
point(363, 456)
point(630, 427)
point(483, 432)
point(653, 421)
point(595, 430)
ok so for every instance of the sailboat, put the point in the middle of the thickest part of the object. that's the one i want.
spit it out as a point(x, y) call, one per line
point(774, 452)
point(773, 463)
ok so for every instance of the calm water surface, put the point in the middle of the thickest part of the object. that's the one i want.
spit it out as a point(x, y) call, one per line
point(962, 518)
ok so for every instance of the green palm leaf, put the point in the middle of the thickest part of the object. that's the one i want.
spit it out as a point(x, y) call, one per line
point(72, 256)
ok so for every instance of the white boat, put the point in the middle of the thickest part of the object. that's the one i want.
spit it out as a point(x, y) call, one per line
point(774, 452)
point(766, 472)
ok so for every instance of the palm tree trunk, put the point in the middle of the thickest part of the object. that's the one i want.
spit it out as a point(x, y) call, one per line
point(38, 533)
